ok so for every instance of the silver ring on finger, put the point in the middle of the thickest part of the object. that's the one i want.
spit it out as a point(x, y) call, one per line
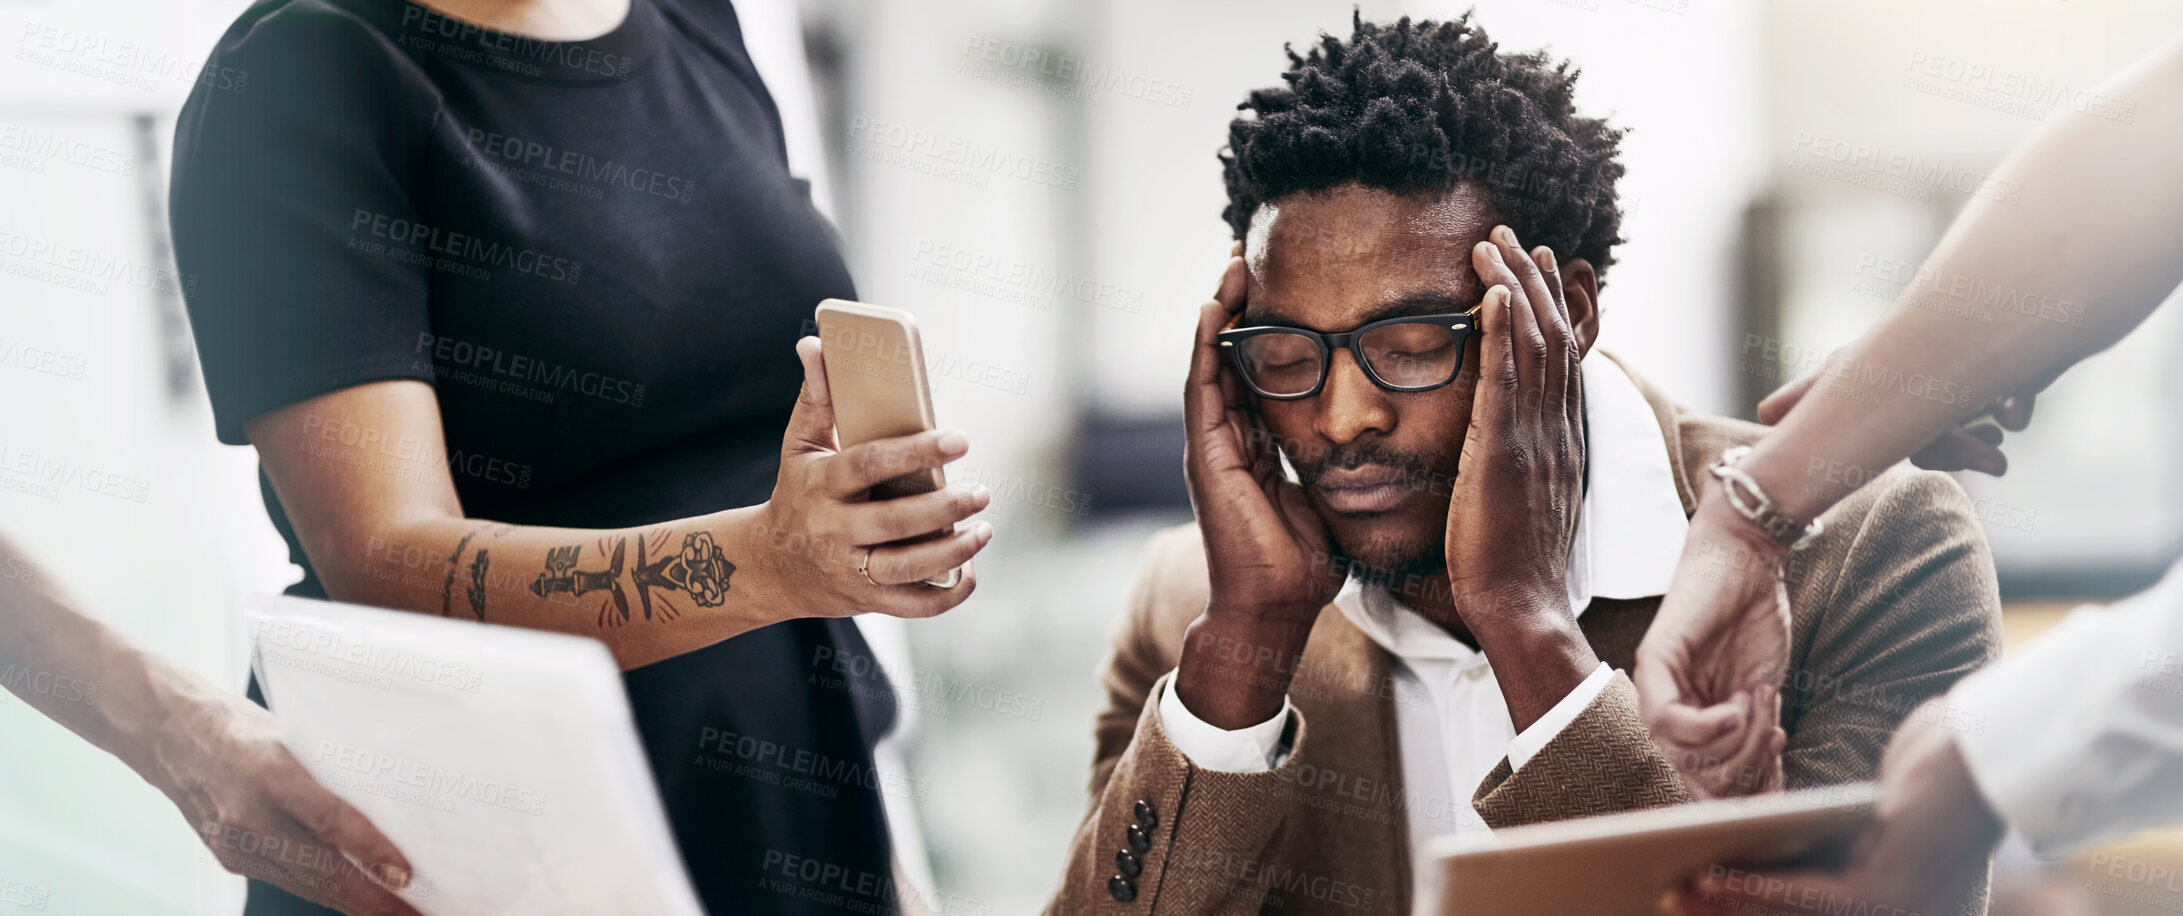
point(864, 568)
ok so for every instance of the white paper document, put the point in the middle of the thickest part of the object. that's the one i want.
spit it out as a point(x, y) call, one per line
point(503, 762)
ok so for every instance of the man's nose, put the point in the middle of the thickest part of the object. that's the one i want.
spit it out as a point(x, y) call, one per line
point(1350, 405)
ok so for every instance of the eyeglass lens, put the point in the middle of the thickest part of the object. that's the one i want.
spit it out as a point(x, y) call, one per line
point(1410, 355)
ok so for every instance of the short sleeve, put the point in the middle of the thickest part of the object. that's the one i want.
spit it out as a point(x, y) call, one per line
point(289, 200)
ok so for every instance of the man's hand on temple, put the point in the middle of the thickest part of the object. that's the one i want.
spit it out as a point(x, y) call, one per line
point(1520, 485)
point(1267, 551)
point(1925, 849)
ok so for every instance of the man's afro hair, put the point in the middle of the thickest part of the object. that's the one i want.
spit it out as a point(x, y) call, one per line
point(1423, 106)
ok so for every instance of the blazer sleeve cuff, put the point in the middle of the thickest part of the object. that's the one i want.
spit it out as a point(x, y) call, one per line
point(1603, 762)
point(1183, 826)
point(1251, 749)
point(1525, 746)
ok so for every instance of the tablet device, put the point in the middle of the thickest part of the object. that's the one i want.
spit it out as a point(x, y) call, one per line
point(1620, 864)
point(503, 762)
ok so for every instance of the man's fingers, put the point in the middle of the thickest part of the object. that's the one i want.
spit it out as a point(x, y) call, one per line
point(1544, 318)
point(1527, 343)
point(1496, 356)
point(1546, 314)
point(1550, 271)
point(1204, 405)
point(864, 466)
point(910, 516)
point(1230, 291)
point(811, 425)
point(1777, 405)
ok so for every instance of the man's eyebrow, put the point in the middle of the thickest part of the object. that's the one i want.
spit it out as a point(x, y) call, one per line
point(1271, 318)
point(1421, 302)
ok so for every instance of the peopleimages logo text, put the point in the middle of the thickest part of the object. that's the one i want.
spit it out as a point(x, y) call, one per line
point(467, 248)
point(448, 351)
point(581, 166)
point(516, 47)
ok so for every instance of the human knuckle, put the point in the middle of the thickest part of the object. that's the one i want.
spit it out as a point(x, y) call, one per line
point(863, 461)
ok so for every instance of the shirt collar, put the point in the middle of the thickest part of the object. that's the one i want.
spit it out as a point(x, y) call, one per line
point(1629, 533)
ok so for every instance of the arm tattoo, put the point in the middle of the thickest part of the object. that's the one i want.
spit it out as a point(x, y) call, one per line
point(562, 577)
point(700, 570)
point(447, 589)
point(478, 565)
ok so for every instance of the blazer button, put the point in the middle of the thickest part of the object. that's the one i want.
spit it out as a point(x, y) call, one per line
point(1129, 864)
point(1138, 841)
point(1121, 888)
point(1146, 816)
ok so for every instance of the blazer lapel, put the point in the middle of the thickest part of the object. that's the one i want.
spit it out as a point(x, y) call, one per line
point(1345, 689)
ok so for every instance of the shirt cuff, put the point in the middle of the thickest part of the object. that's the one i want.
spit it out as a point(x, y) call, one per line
point(2035, 730)
point(1252, 749)
point(1527, 745)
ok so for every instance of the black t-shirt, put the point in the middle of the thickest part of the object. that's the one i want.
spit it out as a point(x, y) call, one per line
point(595, 253)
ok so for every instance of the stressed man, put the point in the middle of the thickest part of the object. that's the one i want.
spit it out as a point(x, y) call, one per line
point(1433, 524)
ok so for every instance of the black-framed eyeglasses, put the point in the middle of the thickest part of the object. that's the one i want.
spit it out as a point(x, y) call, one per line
point(1411, 353)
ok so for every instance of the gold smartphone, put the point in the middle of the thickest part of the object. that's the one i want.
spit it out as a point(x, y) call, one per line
point(875, 374)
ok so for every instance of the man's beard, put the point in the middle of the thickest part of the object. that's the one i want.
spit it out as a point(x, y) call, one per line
point(1391, 562)
point(1385, 559)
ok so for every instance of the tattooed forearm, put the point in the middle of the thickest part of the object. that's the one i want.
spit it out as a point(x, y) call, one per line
point(478, 565)
point(562, 577)
point(700, 570)
point(447, 590)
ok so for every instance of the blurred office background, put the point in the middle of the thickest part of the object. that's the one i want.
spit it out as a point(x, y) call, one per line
point(1056, 280)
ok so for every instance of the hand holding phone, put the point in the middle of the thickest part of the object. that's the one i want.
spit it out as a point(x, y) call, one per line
point(820, 546)
point(875, 373)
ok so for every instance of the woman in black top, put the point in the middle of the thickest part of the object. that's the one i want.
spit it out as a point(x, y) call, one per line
point(464, 262)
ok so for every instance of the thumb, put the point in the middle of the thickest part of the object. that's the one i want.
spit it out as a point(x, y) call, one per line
point(811, 425)
point(1656, 686)
point(341, 825)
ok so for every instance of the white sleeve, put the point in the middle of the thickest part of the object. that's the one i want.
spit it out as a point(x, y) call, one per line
point(1251, 749)
point(1525, 746)
point(2078, 737)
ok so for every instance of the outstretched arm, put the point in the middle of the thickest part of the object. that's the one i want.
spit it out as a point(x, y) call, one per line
point(2082, 242)
point(2085, 242)
point(216, 756)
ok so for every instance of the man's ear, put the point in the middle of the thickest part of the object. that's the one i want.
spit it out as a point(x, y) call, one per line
point(1580, 289)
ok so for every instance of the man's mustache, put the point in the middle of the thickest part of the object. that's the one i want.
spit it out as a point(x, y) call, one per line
point(1415, 470)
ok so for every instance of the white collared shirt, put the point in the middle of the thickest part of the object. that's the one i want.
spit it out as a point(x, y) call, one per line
point(2077, 738)
point(1449, 712)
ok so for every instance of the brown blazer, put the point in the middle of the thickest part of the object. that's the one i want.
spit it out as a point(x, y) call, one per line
point(1891, 606)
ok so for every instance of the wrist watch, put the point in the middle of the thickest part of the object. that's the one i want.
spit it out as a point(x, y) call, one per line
point(1756, 507)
